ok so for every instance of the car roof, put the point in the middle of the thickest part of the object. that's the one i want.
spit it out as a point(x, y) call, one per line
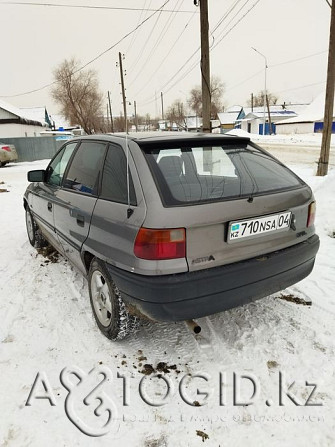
point(147, 138)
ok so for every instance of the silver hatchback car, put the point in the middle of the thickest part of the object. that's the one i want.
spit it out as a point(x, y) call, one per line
point(172, 227)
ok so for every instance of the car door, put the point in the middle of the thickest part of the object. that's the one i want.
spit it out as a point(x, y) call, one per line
point(44, 196)
point(117, 217)
point(76, 199)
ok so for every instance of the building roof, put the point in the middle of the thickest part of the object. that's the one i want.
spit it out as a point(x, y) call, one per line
point(234, 109)
point(21, 114)
point(313, 112)
point(231, 115)
point(37, 114)
point(274, 114)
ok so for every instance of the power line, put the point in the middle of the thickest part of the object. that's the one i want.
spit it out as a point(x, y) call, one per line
point(245, 80)
point(62, 5)
point(298, 59)
point(194, 53)
point(140, 52)
point(226, 14)
point(139, 20)
point(92, 60)
point(166, 55)
point(214, 46)
point(302, 86)
point(155, 45)
point(240, 19)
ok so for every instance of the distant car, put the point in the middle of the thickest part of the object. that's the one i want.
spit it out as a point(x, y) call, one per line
point(7, 154)
point(197, 224)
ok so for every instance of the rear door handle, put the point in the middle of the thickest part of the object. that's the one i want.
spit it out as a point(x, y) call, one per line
point(80, 220)
point(49, 206)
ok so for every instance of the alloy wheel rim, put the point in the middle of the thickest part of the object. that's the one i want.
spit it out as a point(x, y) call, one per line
point(101, 298)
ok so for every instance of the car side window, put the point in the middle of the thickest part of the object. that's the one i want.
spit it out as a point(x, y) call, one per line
point(85, 169)
point(114, 178)
point(56, 168)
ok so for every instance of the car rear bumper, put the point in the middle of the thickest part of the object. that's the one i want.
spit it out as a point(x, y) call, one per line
point(7, 157)
point(197, 294)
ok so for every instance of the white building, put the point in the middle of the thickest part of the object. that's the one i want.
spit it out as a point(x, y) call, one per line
point(253, 121)
point(15, 122)
point(230, 117)
point(309, 121)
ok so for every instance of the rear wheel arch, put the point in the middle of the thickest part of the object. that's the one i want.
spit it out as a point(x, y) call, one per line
point(87, 258)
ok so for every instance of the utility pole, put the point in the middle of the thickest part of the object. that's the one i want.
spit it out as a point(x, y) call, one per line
point(123, 93)
point(269, 114)
point(252, 102)
point(329, 101)
point(110, 112)
point(136, 123)
point(162, 106)
point(205, 68)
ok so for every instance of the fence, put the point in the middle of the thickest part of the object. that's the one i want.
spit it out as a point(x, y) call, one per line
point(34, 148)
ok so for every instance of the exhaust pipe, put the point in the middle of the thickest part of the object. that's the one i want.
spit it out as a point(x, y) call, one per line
point(193, 326)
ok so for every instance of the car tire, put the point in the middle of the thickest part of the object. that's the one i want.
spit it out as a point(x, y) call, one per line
point(108, 307)
point(35, 235)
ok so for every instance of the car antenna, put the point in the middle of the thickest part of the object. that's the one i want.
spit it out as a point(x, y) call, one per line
point(129, 210)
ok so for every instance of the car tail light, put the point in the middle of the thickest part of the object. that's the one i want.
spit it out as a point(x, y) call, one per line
point(6, 148)
point(160, 244)
point(311, 214)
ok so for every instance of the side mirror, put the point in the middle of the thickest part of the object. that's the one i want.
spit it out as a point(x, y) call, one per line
point(36, 176)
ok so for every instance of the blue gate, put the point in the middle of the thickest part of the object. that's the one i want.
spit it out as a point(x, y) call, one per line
point(267, 129)
point(318, 127)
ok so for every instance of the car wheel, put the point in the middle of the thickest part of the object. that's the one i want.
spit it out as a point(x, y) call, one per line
point(35, 236)
point(109, 310)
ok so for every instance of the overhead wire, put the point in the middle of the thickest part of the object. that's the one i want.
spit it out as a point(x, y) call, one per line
point(193, 54)
point(166, 55)
point(155, 46)
point(92, 60)
point(139, 20)
point(62, 5)
point(150, 100)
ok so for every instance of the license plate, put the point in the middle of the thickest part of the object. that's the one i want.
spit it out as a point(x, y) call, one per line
point(260, 225)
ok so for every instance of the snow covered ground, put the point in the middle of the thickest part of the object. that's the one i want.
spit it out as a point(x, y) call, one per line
point(46, 325)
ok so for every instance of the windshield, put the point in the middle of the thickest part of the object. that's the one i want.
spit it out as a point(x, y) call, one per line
point(189, 175)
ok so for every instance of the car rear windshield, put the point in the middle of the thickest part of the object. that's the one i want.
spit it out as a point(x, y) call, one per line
point(200, 174)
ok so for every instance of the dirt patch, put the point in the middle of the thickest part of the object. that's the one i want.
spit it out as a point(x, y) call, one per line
point(50, 253)
point(142, 358)
point(202, 434)
point(271, 364)
point(162, 367)
point(295, 299)
point(147, 369)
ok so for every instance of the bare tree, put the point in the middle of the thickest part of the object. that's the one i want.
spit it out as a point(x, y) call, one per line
point(259, 99)
point(176, 114)
point(78, 94)
point(217, 90)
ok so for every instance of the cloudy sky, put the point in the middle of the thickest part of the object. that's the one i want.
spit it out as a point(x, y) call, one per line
point(163, 55)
